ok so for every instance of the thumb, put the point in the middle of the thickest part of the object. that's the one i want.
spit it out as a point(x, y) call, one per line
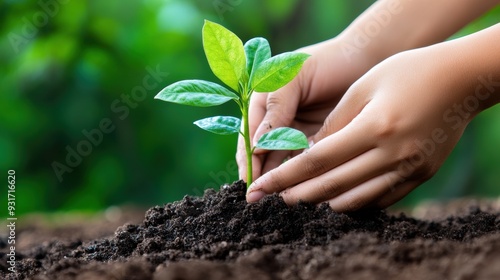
point(281, 107)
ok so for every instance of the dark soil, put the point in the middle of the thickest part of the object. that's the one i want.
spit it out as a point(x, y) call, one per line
point(220, 236)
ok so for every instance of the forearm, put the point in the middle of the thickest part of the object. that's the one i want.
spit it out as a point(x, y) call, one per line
point(460, 77)
point(392, 26)
point(472, 65)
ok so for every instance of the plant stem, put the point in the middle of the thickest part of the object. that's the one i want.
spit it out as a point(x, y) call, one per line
point(248, 147)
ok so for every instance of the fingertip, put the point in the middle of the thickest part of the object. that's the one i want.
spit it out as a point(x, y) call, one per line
point(255, 196)
point(254, 193)
point(255, 186)
point(287, 198)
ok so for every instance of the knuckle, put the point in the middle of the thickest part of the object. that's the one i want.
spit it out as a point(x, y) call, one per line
point(277, 108)
point(417, 164)
point(273, 101)
point(385, 127)
point(352, 203)
point(390, 179)
point(313, 165)
point(427, 171)
point(328, 125)
point(328, 190)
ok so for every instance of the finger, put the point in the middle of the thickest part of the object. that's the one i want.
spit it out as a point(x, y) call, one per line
point(365, 194)
point(322, 157)
point(350, 106)
point(340, 179)
point(274, 159)
point(395, 194)
point(281, 107)
point(241, 159)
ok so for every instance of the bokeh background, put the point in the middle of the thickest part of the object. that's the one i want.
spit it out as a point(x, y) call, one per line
point(69, 68)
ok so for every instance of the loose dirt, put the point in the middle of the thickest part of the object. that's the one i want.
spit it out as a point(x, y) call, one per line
point(220, 236)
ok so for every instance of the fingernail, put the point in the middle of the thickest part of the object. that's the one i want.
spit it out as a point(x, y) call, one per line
point(255, 196)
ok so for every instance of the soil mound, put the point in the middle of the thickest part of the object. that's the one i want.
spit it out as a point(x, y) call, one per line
point(220, 236)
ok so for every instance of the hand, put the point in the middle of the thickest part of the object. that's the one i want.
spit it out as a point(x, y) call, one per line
point(335, 64)
point(304, 103)
point(391, 132)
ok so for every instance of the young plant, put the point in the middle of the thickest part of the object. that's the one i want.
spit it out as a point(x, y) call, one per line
point(245, 69)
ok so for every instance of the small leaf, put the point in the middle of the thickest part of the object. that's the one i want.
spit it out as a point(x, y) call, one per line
point(220, 125)
point(225, 54)
point(283, 138)
point(196, 93)
point(277, 71)
point(257, 50)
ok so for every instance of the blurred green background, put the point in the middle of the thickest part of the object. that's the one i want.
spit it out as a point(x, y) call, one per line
point(70, 69)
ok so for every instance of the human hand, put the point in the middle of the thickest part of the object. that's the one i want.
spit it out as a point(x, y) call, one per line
point(335, 64)
point(303, 104)
point(391, 132)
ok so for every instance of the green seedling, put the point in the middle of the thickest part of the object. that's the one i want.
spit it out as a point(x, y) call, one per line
point(245, 69)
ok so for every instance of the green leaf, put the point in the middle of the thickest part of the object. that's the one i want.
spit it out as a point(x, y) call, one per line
point(225, 54)
point(277, 71)
point(257, 50)
point(220, 125)
point(196, 93)
point(283, 138)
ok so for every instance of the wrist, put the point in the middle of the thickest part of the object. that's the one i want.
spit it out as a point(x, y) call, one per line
point(357, 47)
point(358, 60)
point(330, 69)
